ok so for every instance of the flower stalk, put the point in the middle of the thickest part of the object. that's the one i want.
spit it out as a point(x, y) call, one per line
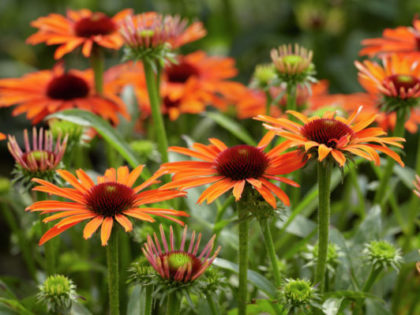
point(243, 255)
point(97, 63)
point(152, 82)
point(271, 251)
point(173, 305)
point(113, 274)
point(386, 175)
point(324, 184)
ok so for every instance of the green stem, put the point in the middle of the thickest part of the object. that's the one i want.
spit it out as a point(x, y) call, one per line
point(291, 97)
point(113, 273)
point(149, 300)
point(97, 63)
point(268, 101)
point(23, 244)
point(173, 304)
point(212, 305)
point(374, 273)
point(386, 175)
point(324, 183)
point(154, 98)
point(268, 240)
point(243, 256)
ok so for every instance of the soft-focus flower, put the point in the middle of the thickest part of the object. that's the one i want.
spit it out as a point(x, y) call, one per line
point(58, 293)
point(233, 168)
point(42, 158)
point(179, 264)
point(152, 36)
point(398, 79)
point(197, 80)
point(401, 40)
point(293, 65)
point(111, 199)
point(49, 91)
point(383, 254)
point(78, 28)
point(2, 136)
point(339, 137)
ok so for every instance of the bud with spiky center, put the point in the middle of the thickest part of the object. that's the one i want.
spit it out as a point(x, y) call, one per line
point(294, 66)
point(57, 293)
point(39, 160)
point(263, 76)
point(333, 254)
point(383, 254)
point(299, 294)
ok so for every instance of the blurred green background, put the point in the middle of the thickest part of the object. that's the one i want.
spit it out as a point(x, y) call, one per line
point(243, 29)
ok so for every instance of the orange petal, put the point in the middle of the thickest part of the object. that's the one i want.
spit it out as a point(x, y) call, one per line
point(106, 230)
point(323, 151)
point(125, 223)
point(54, 231)
point(92, 226)
point(339, 157)
point(238, 189)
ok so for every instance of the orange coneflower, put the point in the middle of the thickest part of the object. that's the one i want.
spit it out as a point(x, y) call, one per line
point(398, 78)
point(401, 40)
point(336, 136)
point(2, 136)
point(232, 168)
point(78, 28)
point(45, 92)
point(111, 199)
point(151, 30)
point(197, 80)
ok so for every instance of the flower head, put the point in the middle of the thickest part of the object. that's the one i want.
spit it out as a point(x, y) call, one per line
point(78, 28)
point(263, 75)
point(151, 35)
point(293, 65)
point(232, 168)
point(179, 264)
point(402, 40)
point(338, 137)
point(397, 80)
point(113, 198)
point(383, 254)
point(299, 292)
point(2, 136)
point(187, 87)
point(39, 159)
point(49, 91)
point(57, 292)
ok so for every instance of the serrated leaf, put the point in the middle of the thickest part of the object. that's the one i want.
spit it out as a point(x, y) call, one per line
point(112, 136)
point(254, 277)
point(232, 126)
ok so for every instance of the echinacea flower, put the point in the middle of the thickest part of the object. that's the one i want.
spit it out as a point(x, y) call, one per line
point(182, 265)
point(397, 80)
point(151, 30)
point(187, 87)
point(2, 136)
point(78, 28)
point(233, 168)
point(42, 157)
point(113, 198)
point(341, 138)
point(49, 91)
point(402, 40)
point(293, 65)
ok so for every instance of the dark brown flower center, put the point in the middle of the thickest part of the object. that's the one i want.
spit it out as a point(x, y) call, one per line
point(168, 103)
point(97, 24)
point(326, 131)
point(67, 87)
point(180, 73)
point(180, 259)
point(403, 81)
point(109, 199)
point(242, 162)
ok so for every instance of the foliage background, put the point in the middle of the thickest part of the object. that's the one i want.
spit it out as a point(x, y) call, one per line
point(243, 29)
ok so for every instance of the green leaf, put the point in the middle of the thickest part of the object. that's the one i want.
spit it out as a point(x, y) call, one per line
point(85, 118)
point(370, 228)
point(254, 277)
point(79, 309)
point(406, 175)
point(232, 126)
point(136, 301)
point(15, 306)
point(331, 306)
